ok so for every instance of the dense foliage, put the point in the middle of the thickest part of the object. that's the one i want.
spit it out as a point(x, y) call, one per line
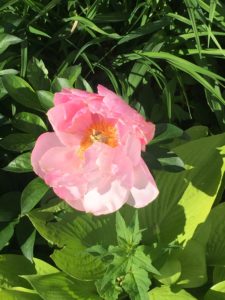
point(165, 58)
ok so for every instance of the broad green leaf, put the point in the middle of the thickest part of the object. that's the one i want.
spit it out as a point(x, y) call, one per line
point(167, 293)
point(185, 198)
point(12, 266)
point(216, 241)
point(216, 292)
point(62, 287)
point(218, 274)
point(18, 142)
point(46, 99)
point(170, 271)
point(6, 40)
point(193, 265)
point(21, 91)
point(21, 164)
point(29, 123)
point(71, 234)
point(32, 194)
point(19, 294)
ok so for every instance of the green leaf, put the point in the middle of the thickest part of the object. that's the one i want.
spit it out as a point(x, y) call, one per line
point(12, 266)
point(216, 292)
point(37, 75)
point(197, 132)
point(6, 233)
point(218, 274)
point(21, 91)
point(32, 194)
point(38, 32)
point(21, 164)
point(89, 24)
point(165, 132)
point(26, 235)
point(29, 123)
point(193, 265)
point(18, 142)
point(185, 198)
point(6, 40)
point(70, 233)
point(59, 83)
point(62, 287)
point(216, 242)
point(136, 283)
point(128, 236)
point(19, 294)
point(71, 74)
point(46, 99)
point(170, 271)
point(167, 293)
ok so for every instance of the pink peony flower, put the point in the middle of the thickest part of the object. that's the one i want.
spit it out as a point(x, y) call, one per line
point(92, 160)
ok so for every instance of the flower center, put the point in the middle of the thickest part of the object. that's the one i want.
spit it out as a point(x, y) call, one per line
point(102, 132)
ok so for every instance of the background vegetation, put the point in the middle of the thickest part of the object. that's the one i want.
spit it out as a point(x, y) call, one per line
point(166, 59)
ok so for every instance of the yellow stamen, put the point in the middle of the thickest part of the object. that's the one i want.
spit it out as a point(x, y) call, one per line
point(102, 132)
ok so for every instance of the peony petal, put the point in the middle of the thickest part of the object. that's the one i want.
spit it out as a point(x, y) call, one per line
point(61, 165)
point(45, 142)
point(108, 202)
point(144, 189)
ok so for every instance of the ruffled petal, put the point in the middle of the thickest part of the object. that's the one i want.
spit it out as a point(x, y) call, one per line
point(144, 188)
point(44, 142)
point(105, 203)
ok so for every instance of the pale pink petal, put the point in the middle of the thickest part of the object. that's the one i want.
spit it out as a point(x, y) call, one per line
point(72, 195)
point(108, 202)
point(144, 189)
point(44, 142)
point(60, 164)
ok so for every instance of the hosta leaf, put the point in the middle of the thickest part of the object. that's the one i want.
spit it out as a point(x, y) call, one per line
point(170, 271)
point(62, 287)
point(19, 294)
point(70, 234)
point(216, 241)
point(216, 292)
point(185, 198)
point(12, 266)
point(193, 265)
point(167, 293)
